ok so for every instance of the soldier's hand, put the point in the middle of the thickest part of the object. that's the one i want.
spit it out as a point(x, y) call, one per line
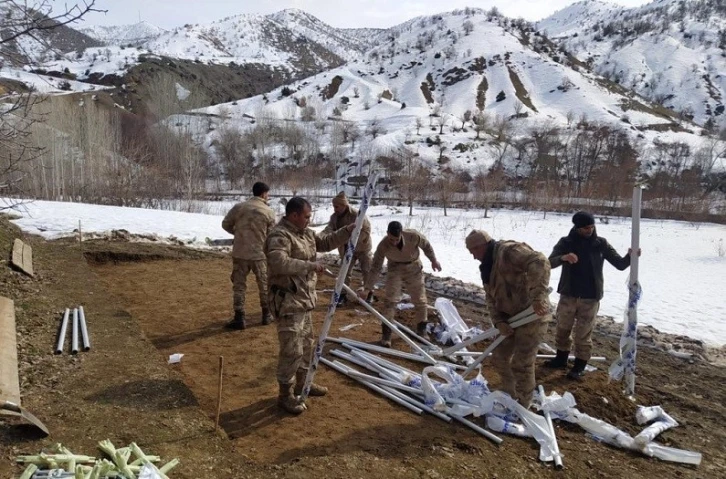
point(570, 258)
point(350, 227)
point(630, 251)
point(436, 265)
point(363, 293)
point(541, 308)
point(504, 328)
point(319, 267)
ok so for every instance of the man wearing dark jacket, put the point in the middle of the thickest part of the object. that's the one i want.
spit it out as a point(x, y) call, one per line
point(581, 255)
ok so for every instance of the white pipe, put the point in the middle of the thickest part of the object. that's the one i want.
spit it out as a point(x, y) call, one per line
point(62, 333)
point(409, 341)
point(556, 448)
point(571, 358)
point(360, 362)
point(418, 404)
point(381, 349)
point(381, 381)
point(74, 332)
point(84, 330)
point(372, 386)
point(489, 333)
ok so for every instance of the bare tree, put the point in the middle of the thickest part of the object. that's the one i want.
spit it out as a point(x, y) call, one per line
point(375, 128)
point(481, 122)
point(468, 27)
point(447, 186)
point(412, 177)
point(23, 22)
point(419, 124)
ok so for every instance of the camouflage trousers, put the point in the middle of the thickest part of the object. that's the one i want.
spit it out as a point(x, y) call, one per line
point(364, 262)
point(240, 269)
point(576, 317)
point(409, 276)
point(514, 360)
point(295, 333)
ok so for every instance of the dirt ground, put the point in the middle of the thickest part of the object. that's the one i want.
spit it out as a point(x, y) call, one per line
point(145, 302)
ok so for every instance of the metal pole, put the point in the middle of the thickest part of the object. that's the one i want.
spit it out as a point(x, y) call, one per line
point(74, 332)
point(380, 349)
point(84, 329)
point(428, 358)
point(634, 291)
point(372, 386)
point(62, 332)
point(339, 284)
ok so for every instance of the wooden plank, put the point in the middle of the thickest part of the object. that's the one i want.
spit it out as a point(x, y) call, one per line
point(22, 257)
point(9, 378)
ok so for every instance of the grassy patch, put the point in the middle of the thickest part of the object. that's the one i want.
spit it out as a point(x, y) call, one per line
point(331, 90)
point(426, 92)
point(657, 110)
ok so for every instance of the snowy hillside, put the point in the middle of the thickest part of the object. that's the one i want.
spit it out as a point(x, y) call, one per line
point(123, 34)
point(669, 51)
point(443, 69)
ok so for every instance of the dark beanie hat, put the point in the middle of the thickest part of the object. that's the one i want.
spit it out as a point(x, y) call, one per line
point(582, 219)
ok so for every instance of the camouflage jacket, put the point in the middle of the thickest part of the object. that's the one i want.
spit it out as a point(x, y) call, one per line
point(519, 277)
point(408, 253)
point(336, 222)
point(250, 223)
point(291, 253)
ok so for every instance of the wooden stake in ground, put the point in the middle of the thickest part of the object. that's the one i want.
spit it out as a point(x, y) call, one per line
point(80, 237)
point(219, 392)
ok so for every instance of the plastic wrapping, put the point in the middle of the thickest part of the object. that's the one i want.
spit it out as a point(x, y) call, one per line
point(495, 423)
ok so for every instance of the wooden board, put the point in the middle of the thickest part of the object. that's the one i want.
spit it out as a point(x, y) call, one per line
point(22, 257)
point(9, 379)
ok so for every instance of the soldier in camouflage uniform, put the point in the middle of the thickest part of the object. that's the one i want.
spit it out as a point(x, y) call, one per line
point(515, 277)
point(249, 222)
point(344, 215)
point(581, 255)
point(291, 259)
point(401, 248)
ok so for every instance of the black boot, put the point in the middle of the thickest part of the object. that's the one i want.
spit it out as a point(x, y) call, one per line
point(369, 298)
point(559, 361)
point(578, 370)
point(343, 298)
point(385, 336)
point(266, 316)
point(238, 322)
point(421, 329)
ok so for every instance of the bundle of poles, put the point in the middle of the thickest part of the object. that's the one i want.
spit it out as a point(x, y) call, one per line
point(79, 331)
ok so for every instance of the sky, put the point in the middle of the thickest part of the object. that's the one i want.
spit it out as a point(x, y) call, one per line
point(343, 14)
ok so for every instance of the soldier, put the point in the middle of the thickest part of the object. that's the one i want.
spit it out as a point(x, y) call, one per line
point(515, 277)
point(581, 254)
point(401, 248)
point(249, 222)
point(344, 215)
point(291, 258)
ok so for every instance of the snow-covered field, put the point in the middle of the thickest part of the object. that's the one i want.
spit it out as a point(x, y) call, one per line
point(683, 267)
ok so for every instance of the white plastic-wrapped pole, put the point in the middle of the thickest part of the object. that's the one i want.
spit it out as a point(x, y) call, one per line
point(84, 329)
point(74, 332)
point(556, 448)
point(62, 333)
point(347, 259)
point(624, 366)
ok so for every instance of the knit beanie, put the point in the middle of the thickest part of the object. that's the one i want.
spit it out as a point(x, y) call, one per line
point(582, 219)
point(477, 238)
point(340, 199)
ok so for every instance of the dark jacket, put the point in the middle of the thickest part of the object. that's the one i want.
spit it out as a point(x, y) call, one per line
point(584, 279)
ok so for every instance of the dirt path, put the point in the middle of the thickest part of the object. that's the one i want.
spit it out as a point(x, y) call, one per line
point(145, 302)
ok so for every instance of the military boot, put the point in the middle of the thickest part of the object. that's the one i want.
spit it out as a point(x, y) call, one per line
point(385, 336)
point(421, 329)
point(266, 316)
point(559, 361)
point(315, 389)
point(288, 402)
point(238, 322)
point(578, 370)
point(342, 299)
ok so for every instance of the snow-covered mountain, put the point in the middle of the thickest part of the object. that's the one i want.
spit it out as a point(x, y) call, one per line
point(124, 34)
point(670, 51)
point(450, 87)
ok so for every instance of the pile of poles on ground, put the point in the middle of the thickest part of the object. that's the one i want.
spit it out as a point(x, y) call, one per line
point(443, 391)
